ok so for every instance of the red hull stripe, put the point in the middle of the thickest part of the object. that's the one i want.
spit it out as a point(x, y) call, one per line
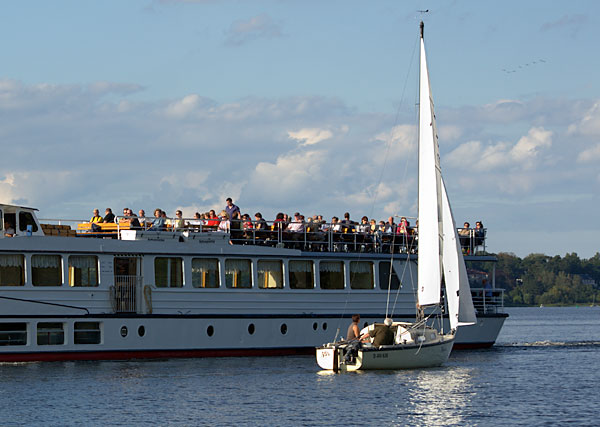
point(152, 354)
point(163, 354)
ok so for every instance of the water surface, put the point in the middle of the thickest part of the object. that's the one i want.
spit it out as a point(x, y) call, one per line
point(543, 371)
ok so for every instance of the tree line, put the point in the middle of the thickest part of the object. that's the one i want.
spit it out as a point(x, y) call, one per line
point(542, 279)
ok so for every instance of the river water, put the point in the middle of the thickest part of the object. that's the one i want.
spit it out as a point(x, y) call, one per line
point(544, 370)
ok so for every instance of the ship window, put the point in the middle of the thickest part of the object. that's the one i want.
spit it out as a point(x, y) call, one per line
point(12, 271)
point(168, 272)
point(13, 333)
point(361, 275)
point(86, 333)
point(238, 273)
point(331, 274)
point(25, 219)
point(205, 273)
point(384, 276)
point(270, 274)
point(46, 270)
point(83, 270)
point(1, 221)
point(50, 333)
point(301, 274)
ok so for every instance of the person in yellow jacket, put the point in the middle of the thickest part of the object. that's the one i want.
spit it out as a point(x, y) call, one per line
point(96, 217)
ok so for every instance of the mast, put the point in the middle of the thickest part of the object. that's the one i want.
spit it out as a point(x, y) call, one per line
point(430, 218)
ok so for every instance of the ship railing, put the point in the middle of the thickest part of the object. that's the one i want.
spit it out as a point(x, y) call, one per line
point(326, 237)
point(488, 300)
point(472, 240)
point(124, 293)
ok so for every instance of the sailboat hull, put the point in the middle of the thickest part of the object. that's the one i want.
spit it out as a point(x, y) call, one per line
point(400, 356)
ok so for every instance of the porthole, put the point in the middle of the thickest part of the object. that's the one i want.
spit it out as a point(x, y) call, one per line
point(210, 331)
point(324, 326)
point(141, 331)
point(251, 328)
point(124, 331)
point(315, 326)
point(283, 329)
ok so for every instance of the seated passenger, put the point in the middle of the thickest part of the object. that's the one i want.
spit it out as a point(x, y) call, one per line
point(142, 218)
point(335, 226)
point(353, 332)
point(213, 219)
point(373, 226)
point(479, 233)
point(96, 217)
point(381, 334)
point(402, 228)
point(364, 226)
point(224, 225)
point(134, 223)
point(390, 227)
point(158, 224)
point(9, 230)
point(464, 235)
point(109, 216)
point(279, 223)
point(235, 221)
point(297, 225)
point(259, 222)
point(197, 222)
point(177, 223)
point(246, 222)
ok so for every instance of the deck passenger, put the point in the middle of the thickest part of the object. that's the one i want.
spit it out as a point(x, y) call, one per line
point(230, 208)
point(259, 221)
point(134, 223)
point(158, 224)
point(109, 216)
point(142, 218)
point(381, 334)
point(225, 224)
point(353, 330)
point(213, 219)
point(464, 235)
point(96, 217)
point(177, 223)
point(479, 233)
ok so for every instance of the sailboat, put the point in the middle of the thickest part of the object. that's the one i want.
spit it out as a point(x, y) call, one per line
point(440, 259)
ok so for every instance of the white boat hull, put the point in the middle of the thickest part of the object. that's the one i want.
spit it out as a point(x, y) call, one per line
point(388, 357)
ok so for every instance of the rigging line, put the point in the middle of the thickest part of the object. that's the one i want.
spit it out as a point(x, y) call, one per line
point(389, 144)
point(406, 264)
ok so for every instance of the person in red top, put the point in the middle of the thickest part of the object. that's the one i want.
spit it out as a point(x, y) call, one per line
point(213, 219)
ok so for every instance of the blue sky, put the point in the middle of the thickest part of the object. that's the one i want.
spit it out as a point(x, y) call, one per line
point(305, 106)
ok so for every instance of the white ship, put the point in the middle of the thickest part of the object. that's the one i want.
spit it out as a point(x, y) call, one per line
point(68, 292)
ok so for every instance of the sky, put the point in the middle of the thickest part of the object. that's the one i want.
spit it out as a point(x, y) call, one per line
point(306, 106)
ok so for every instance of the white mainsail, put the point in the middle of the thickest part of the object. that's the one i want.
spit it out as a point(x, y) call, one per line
point(430, 228)
point(458, 290)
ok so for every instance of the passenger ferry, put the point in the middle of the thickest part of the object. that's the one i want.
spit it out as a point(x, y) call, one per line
point(73, 291)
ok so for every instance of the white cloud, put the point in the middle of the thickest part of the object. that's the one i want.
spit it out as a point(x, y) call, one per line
point(589, 124)
point(245, 30)
point(475, 156)
point(529, 146)
point(184, 106)
point(590, 155)
point(310, 136)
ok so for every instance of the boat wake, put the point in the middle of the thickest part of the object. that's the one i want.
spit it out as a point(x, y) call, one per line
point(562, 344)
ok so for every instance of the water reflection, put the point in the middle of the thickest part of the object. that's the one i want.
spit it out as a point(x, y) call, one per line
point(436, 397)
